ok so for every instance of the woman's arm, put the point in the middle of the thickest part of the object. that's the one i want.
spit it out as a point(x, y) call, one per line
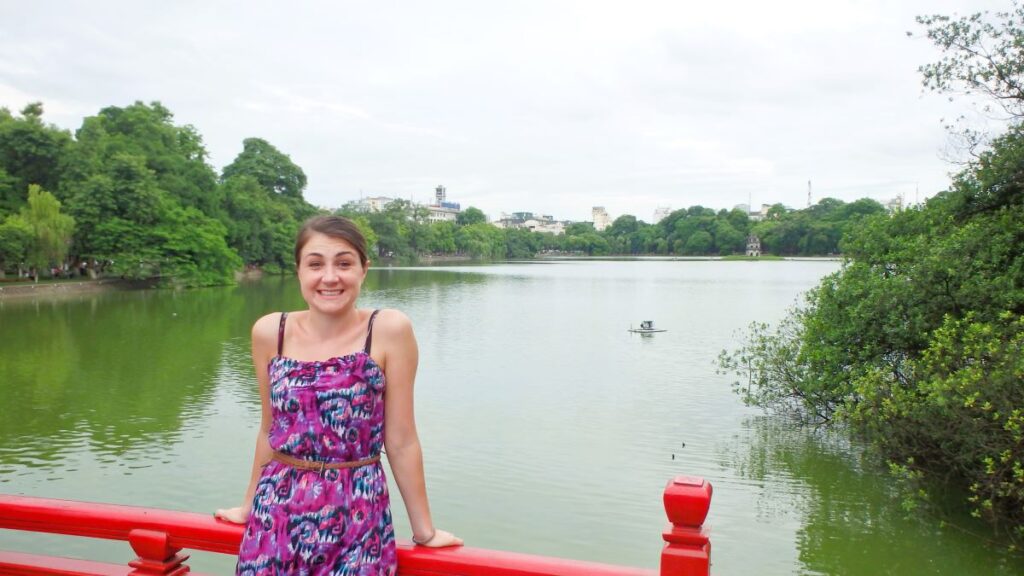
point(264, 341)
point(400, 357)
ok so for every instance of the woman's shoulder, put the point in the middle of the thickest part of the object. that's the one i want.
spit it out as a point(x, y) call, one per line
point(391, 322)
point(265, 329)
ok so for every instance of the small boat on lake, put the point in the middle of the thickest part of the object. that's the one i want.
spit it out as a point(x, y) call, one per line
point(646, 327)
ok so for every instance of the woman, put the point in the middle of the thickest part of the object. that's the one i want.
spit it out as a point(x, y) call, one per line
point(338, 388)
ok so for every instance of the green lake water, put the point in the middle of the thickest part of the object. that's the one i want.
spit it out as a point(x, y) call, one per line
point(547, 427)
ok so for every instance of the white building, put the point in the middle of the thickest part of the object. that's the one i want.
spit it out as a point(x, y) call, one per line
point(601, 218)
point(528, 221)
point(894, 205)
point(550, 226)
point(374, 204)
point(442, 214)
point(442, 210)
point(660, 213)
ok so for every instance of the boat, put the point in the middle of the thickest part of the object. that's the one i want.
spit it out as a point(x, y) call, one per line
point(159, 536)
point(646, 327)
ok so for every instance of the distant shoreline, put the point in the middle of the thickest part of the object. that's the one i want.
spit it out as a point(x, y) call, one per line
point(70, 287)
point(657, 258)
point(28, 290)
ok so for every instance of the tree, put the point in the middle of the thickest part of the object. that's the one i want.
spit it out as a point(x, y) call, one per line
point(30, 153)
point(982, 55)
point(916, 343)
point(700, 242)
point(51, 230)
point(146, 204)
point(273, 169)
point(481, 240)
point(16, 237)
point(728, 240)
point(174, 154)
point(470, 216)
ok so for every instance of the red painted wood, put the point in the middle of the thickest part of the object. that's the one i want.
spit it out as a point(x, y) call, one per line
point(687, 550)
point(21, 564)
point(466, 561)
point(158, 535)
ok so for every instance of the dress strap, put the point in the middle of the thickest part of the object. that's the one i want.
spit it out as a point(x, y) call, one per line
point(369, 332)
point(280, 333)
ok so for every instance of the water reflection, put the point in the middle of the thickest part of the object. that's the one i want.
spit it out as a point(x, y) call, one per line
point(849, 516)
point(110, 372)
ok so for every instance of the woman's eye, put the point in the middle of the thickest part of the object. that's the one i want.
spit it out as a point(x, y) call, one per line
point(315, 265)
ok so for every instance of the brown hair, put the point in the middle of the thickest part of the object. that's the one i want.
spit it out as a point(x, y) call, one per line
point(337, 227)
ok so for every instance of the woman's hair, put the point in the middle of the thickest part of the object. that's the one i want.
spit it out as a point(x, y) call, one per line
point(336, 227)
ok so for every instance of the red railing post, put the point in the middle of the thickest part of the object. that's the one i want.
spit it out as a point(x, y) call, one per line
point(687, 550)
point(156, 555)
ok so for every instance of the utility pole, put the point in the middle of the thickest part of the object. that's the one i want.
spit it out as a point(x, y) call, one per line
point(808, 193)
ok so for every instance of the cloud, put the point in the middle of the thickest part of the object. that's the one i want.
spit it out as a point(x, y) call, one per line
point(548, 107)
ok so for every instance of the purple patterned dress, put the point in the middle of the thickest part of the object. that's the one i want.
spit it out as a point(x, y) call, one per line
point(337, 523)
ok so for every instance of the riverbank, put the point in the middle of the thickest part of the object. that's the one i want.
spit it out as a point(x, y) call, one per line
point(22, 290)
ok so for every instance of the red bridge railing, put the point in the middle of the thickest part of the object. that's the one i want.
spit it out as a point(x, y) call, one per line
point(159, 536)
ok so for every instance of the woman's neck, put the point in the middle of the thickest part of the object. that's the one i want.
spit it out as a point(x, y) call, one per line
point(327, 326)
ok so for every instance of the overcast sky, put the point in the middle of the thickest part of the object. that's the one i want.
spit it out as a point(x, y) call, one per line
point(548, 107)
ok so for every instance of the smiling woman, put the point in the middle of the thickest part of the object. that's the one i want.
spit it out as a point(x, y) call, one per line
point(317, 501)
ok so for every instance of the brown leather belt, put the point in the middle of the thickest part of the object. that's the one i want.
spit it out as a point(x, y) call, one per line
point(303, 464)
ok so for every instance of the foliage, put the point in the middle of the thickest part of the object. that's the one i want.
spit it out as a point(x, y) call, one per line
point(982, 54)
point(471, 215)
point(142, 196)
point(916, 343)
point(30, 152)
point(173, 154)
point(16, 236)
point(272, 169)
point(51, 230)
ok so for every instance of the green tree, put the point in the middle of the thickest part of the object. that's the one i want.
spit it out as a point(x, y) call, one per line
point(470, 216)
point(273, 169)
point(728, 240)
point(481, 240)
point(700, 242)
point(174, 154)
point(131, 179)
point(16, 236)
point(916, 343)
point(443, 239)
point(30, 153)
point(51, 230)
point(982, 55)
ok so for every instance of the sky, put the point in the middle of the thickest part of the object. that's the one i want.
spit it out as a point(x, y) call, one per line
point(548, 107)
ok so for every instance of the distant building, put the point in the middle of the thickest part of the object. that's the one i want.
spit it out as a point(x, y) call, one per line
point(894, 205)
point(547, 225)
point(660, 213)
point(753, 246)
point(442, 210)
point(374, 203)
point(761, 214)
point(601, 218)
point(528, 221)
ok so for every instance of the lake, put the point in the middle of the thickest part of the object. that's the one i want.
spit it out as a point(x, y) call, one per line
point(547, 427)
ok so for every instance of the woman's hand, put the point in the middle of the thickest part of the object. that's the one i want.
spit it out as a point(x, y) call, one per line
point(441, 539)
point(237, 515)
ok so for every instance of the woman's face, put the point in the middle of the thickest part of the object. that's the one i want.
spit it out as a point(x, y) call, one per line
point(330, 274)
